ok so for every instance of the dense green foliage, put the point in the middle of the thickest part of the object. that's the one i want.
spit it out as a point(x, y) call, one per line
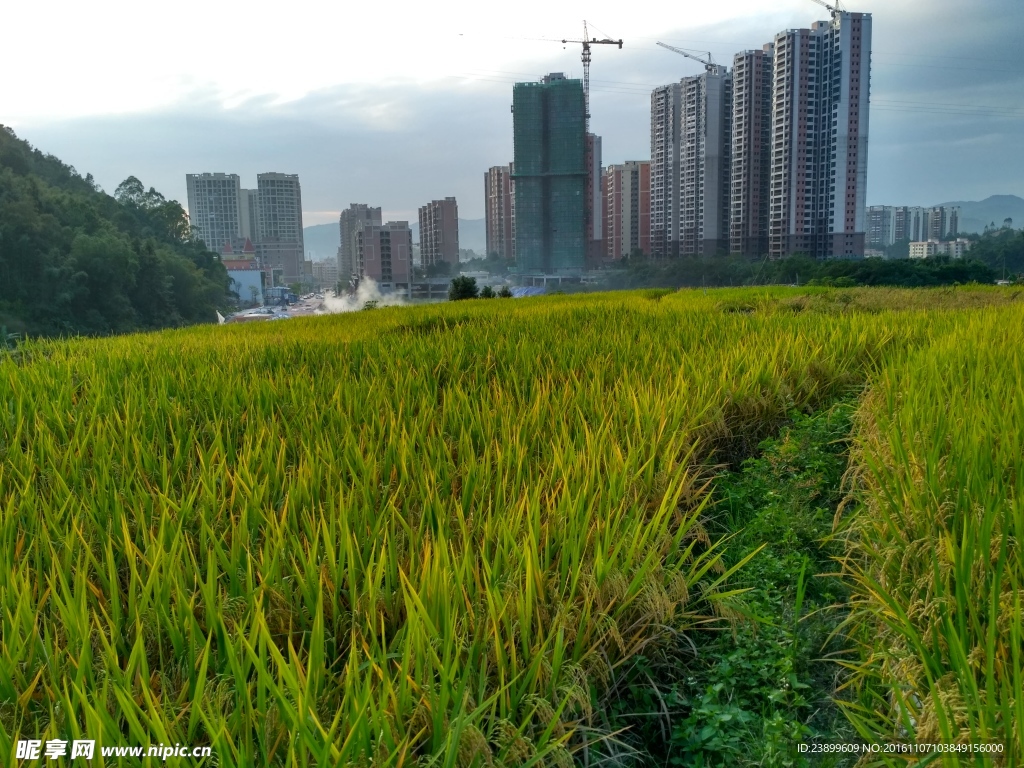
point(463, 287)
point(748, 697)
point(1002, 250)
point(74, 260)
point(722, 271)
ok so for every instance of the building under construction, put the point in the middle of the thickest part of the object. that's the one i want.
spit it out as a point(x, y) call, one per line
point(550, 172)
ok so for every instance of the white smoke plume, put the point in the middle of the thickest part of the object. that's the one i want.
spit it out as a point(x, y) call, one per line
point(353, 302)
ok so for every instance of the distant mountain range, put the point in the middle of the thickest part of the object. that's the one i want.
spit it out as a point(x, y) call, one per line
point(322, 240)
point(976, 215)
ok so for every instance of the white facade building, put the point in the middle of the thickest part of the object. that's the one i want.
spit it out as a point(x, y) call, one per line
point(928, 248)
point(213, 207)
point(665, 127)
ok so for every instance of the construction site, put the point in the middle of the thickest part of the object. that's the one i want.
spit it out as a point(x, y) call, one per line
point(763, 159)
point(556, 173)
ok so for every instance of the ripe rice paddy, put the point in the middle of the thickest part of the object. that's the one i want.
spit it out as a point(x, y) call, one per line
point(427, 535)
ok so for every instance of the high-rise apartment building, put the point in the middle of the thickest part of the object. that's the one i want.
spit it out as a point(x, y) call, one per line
point(249, 211)
point(226, 217)
point(280, 223)
point(213, 208)
point(943, 221)
point(627, 210)
point(844, 155)
point(910, 223)
point(549, 126)
point(820, 138)
point(665, 127)
point(594, 209)
point(498, 212)
point(881, 227)
point(280, 212)
point(751, 151)
point(794, 212)
point(352, 218)
point(889, 224)
point(704, 167)
point(439, 232)
point(280, 206)
point(690, 167)
point(385, 254)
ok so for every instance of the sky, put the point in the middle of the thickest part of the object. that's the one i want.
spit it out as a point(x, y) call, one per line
point(398, 103)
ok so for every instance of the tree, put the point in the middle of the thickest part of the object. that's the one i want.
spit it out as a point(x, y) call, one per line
point(505, 293)
point(105, 269)
point(487, 292)
point(462, 288)
point(130, 192)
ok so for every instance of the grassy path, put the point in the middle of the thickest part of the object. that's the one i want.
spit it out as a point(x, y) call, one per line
point(748, 695)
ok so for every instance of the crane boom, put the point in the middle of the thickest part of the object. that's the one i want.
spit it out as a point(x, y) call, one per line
point(834, 8)
point(586, 42)
point(709, 62)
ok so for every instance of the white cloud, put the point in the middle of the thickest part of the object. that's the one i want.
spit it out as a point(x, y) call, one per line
point(399, 103)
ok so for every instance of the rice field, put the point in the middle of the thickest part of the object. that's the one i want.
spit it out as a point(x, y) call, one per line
point(935, 553)
point(427, 535)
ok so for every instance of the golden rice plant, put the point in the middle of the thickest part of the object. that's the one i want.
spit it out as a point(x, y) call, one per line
point(935, 552)
point(403, 537)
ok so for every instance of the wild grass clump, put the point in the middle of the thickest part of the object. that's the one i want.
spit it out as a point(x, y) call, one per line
point(407, 536)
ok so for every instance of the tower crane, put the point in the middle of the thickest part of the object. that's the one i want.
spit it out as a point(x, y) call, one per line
point(588, 41)
point(834, 8)
point(709, 62)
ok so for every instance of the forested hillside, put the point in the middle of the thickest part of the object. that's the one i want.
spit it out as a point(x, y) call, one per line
point(1001, 249)
point(74, 260)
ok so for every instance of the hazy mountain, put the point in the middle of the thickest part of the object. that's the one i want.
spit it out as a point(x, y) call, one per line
point(976, 215)
point(323, 239)
point(473, 235)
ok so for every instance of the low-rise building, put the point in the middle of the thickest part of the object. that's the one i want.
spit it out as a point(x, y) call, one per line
point(246, 278)
point(923, 249)
point(956, 248)
point(927, 248)
point(325, 273)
